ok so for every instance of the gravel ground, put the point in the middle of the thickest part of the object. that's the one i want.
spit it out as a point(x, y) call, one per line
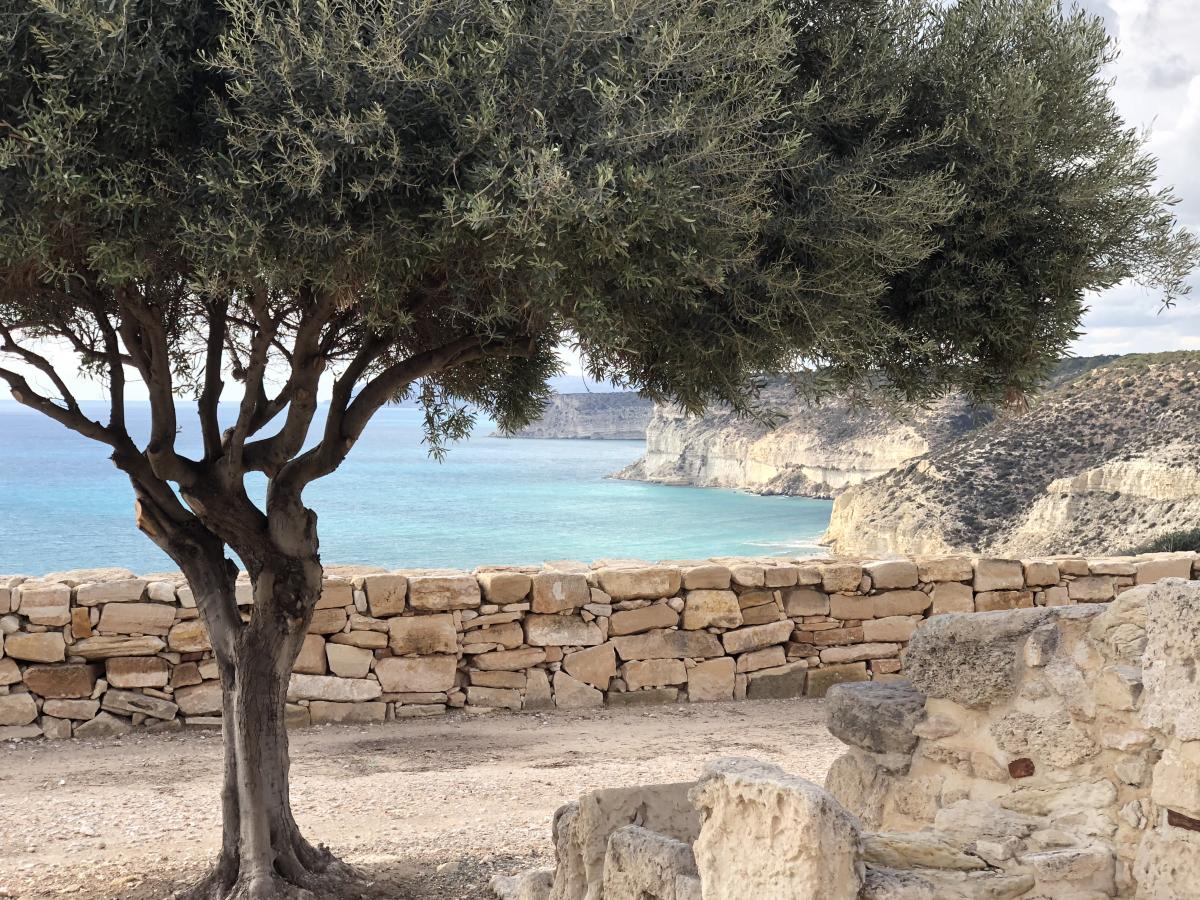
point(426, 808)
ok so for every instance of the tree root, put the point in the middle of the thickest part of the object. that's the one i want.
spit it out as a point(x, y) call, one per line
point(301, 872)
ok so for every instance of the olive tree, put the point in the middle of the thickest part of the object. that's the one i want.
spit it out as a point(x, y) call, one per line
point(337, 204)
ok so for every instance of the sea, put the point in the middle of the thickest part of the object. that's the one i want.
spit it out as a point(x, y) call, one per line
point(492, 500)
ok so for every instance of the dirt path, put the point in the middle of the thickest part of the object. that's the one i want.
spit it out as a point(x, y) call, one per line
point(429, 808)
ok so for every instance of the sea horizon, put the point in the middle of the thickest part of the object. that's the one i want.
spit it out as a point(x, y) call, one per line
point(493, 501)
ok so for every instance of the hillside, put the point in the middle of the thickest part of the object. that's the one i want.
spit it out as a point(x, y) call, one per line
point(815, 451)
point(592, 416)
point(1107, 460)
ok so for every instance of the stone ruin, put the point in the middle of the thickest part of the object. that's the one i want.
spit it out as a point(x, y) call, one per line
point(1042, 754)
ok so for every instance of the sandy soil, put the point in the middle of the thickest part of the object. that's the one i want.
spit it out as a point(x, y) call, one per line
point(427, 808)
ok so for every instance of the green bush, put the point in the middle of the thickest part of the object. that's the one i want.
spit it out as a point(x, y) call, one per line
point(1188, 539)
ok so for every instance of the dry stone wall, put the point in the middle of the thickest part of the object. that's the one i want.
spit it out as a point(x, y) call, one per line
point(101, 652)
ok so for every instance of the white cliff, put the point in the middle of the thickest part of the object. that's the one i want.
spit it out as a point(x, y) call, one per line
point(617, 416)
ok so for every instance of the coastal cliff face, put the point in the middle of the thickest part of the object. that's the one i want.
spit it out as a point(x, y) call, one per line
point(1104, 462)
point(815, 452)
point(618, 416)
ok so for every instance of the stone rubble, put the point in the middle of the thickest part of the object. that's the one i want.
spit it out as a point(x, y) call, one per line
point(1036, 753)
point(104, 651)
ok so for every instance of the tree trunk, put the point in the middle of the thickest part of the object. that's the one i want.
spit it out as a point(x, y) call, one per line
point(263, 855)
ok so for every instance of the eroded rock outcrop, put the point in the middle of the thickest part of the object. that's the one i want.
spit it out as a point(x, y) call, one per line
point(615, 416)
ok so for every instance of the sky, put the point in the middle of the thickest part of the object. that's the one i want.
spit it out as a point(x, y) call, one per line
point(1157, 86)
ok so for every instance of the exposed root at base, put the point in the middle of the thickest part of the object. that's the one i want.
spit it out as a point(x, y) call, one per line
point(323, 877)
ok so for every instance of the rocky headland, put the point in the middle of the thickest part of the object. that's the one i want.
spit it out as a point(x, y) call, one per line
point(616, 416)
point(1102, 462)
point(815, 451)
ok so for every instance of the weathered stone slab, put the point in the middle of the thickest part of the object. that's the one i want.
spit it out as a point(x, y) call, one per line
point(423, 674)
point(131, 702)
point(649, 583)
point(493, 698)
point(952, 597)
point(999, 575)
point(348, 662)
point(44, 603)
point(756, 637)
point(45, 648)
point(385, 594)
point(17, 709)
point(136, 672)
point(422, 634)
point(103, 726)
point(443, 592)
point(888, 574)
point(311, 660)
point(509, 660)
point(328, 621)
point(554, 592)
point(857, 653)
point(711, 680)
point(707, 577)
point(570, 693)
point(200, 699)
point(124, 590)
point(900, 603)
point(668, 645)
point(646, 673)
point(561, 631)
point(324, 712)
point(61, 682)
point(822, 679)
point(711, 609)
point(339, 690)
point(636, 621)
point(188, 637)
point(893, 628)
point(804, 601)
point(10, 672)
point(71, 709)
point(136, 618)
point(841, 577)
point(595, 666)
point(106, 646)
point(778, 683)
point(878, 718)
point(504, 587)
point(945, 568)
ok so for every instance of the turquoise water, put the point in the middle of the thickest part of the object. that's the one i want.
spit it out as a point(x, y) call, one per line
point(63, 505)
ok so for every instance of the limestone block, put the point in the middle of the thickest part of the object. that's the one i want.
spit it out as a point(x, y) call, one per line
point(348, 662)
point(54, 729)
point(1041, 572)
point(555, 592)
point(385, 594)
point(879, 718)
point(106, 646)
point(1167, 864)
point(892, 573)
point(857, 653)
point(200, 699)
point(561, 631)
point(17, 709)
point(348, 690)
point(918, 850)
point(747, 848)
point(778, 683)
point(821, 680)
point(188, 637)
point(1152, 570)
point(636, 621)
point(707, 577)
point(647, 697)
point(422, 674)
point(892, 628)
point(10, 672)
point(709, 609)
point(136, 672)
point(328, 621)
point(323, 712)
point(161, 592)
point(509, 636)
point(422, 634)
point(508, 660)
point(61, 682)
point(1172, 691)
point(1091, 589)
point(653, 673)
point(952, 597)
point(81, 623)
point(513, 680)
point(803, 601)
point(767, 658)
point(493, 698)
point(335, 592)
point(71, 709)
point(762, 614)
point(1050, 736)
point(748, 575)
point(570, 693)
point(900, 603)
point(641, 864)
point(533, 885)
point(944, 568)
point(780, 576)
point(1177, 778)
point(971, 658)
point(648, 583)
point(862, 785)
point(711, 680)
point(103, 726)
point(537, 690)
point(132, 703)
point(125, 590)
point(851, 606)
point(582, 831)
point(756, 637)
point(595, 666)
point(839, 577)
point(45, 648)
point(368, 640)
point(443, 592)
point(991, 601)
point(504, 587)
point(669, 645)
point(311, 660)
point(1061, 871)
point(44, 603)
point(999, 575)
